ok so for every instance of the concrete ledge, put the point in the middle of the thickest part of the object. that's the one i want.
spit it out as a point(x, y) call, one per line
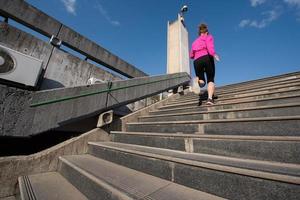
point(97, 53)
point(30, 16)
point(13, 167)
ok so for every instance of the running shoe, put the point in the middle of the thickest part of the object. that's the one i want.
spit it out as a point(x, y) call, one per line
point(210, 101)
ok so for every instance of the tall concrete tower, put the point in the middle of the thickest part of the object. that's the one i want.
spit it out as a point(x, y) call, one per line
point(178, 47)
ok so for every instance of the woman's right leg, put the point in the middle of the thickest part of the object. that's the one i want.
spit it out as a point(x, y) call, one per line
point(210, 73)
point(211, 89)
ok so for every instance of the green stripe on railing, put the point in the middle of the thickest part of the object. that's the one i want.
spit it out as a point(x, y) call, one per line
point(96, 92)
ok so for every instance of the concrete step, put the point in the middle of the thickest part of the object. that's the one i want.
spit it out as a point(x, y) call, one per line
point(92, 174)
point(263, 86)
point(239, 91)
point(261, 91)
point(257, 95)
point(249, 97)
point(272, 79)
point(259, 86)
point(230, 105)
point(249, 112)
point(218, 175)
point(269, 148)
point(48, 186)
point(289, 83)
point(271, 126)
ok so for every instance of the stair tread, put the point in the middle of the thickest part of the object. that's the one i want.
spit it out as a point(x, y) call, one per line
point(51, 185)
point(221, 137)
point(134, 183)
point(265, 169)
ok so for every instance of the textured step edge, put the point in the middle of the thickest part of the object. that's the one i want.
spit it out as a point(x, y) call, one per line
point(48, 185)
point(26, 190)
point(217, 167)
point(102, 184)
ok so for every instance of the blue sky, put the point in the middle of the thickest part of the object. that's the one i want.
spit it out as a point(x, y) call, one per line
point(254, 38)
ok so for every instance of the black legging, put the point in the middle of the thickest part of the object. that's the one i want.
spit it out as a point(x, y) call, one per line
point(205, 64)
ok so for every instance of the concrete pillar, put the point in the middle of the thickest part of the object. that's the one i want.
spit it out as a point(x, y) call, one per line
point(178, 48)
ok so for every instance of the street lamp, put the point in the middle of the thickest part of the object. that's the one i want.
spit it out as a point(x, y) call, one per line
point(183, 10)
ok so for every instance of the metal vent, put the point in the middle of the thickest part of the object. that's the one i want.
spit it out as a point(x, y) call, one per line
point(18, 67)
point(7, 63)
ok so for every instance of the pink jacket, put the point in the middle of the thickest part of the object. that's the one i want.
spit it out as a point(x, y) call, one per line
point(202, 46)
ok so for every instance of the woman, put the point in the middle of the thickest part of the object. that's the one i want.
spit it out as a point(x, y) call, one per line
point(203, 53)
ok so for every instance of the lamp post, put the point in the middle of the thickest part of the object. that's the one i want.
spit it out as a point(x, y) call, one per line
point(183, 10)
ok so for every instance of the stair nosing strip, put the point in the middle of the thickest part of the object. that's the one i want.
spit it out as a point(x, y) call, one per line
point(217, 167)
point(29, 189)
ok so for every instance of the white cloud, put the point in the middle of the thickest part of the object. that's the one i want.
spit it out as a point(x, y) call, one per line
point(293, 2)
point(269, 17)
point(255, 3)
point(296, 4)
point(106, 15)
point(244, 23)
point(70, 6)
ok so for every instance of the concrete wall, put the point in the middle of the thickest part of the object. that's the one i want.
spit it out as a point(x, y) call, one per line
point(65, 70)
point(177, 48)
point(25, 43)
point(61, 68)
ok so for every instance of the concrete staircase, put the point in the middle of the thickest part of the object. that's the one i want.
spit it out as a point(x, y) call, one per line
point(247, 146)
